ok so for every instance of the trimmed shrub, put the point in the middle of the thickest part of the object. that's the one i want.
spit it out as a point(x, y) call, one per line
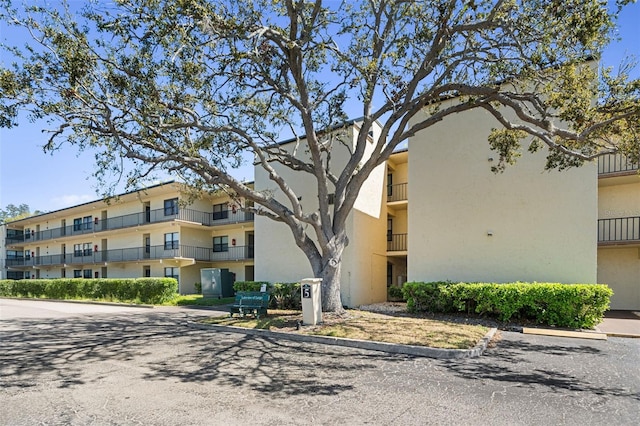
point(251, 285)
point(563, 305)
point(139, 290)
point(394, 293)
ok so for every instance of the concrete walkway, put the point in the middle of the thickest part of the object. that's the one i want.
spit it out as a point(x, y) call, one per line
point(620, 324)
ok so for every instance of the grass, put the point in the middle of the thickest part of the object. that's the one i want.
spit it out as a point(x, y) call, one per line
point(363, 325)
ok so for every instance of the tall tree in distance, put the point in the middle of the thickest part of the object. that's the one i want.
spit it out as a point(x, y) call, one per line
point(12, 212)
point(191, 86)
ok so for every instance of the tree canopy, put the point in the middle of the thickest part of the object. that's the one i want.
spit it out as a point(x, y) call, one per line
point(189, 87)
point(12, 212)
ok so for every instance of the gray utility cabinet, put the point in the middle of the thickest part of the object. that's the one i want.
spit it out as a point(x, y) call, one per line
point(217, 282)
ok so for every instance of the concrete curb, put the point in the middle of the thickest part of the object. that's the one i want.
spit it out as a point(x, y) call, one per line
point(86, 302)
point(393, 348)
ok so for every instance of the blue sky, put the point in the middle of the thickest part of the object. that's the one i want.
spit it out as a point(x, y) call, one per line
point(49, 182)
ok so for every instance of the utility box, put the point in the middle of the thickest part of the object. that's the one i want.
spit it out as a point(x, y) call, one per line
point(217, 282)
point(310, 292)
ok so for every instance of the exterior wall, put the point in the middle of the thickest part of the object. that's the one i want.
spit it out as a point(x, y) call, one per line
point(615, 201)
point(619, 265)
point(469, 224)
point(363, 264)
point(619, 268)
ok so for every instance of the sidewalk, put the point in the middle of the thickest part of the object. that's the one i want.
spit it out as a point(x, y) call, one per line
point(620, 324)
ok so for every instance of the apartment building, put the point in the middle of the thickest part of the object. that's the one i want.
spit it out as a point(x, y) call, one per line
point(434, 211)
point(140, 234)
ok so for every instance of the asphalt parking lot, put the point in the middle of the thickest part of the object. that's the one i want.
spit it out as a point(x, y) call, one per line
point(145, 366)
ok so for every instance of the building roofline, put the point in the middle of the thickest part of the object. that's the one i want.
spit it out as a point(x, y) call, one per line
point(91, 202)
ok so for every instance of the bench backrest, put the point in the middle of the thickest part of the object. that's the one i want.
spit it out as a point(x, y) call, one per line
point(252, 297)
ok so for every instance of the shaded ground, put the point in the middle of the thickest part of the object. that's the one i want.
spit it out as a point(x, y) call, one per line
point(147, 367)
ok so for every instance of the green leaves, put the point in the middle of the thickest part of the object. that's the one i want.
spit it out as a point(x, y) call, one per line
point(563, 305)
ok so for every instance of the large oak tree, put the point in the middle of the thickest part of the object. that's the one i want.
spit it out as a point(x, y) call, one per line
point(191, 86)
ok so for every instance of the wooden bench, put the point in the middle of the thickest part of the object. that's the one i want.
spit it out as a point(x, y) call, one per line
point(250, 303)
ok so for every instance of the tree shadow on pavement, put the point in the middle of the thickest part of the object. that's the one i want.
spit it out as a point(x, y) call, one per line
point(544, 367)
point(57, 351)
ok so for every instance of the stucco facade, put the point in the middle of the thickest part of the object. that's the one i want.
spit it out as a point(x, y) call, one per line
point(467, 223)
point(619, 231)
point(278, 259)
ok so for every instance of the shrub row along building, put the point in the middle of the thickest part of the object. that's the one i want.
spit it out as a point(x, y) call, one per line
point(434, 211)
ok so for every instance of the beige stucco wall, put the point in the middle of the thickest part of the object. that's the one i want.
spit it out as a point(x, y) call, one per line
point(620, 269)
point(615, 201)
point(619, 266)
point(363, 263)
point(543, 224)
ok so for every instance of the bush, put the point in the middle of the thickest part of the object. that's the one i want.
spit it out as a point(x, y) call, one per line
point(394, 293)
point(251, 285)
point(564, 305)
point(198, 287)
point(283, 295)
point(140, 290)
point(286, 296)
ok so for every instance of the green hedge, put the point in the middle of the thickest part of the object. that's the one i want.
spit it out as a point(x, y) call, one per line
point(283, 295)
point(138, 290)
point(251, 285)
point(563, 305)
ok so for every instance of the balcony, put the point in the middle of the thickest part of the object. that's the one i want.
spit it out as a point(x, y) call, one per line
point(612, 164)
point(132, 220)
point(135, 254)
point(397, 192)
point(624, 230)
point(396, 242)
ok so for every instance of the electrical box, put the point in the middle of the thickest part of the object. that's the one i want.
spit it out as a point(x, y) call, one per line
point(217, 282)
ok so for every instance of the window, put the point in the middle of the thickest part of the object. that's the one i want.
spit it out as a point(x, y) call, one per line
point(220, 244)
point(82, 250)
point(15, 275)
point(389, 274)
point(87, 273)
point(146, 271)
point(27, 254)
point(87, 222)
point(389, 229)
point(171, 241)
point(14, 254)
point(389, 185)
point(77, 224)
point(77, 273)
point(220, 211)
point(171, 207)
point(172, 273)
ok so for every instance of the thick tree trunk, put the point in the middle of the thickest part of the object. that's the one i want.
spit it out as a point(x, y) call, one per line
point(330, 274)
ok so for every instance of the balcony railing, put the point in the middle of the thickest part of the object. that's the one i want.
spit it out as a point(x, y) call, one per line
point(135, 254)
point(397, 192)
point(396, 242)
point(624, 229)
point(132, 220)
point(615, 163)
